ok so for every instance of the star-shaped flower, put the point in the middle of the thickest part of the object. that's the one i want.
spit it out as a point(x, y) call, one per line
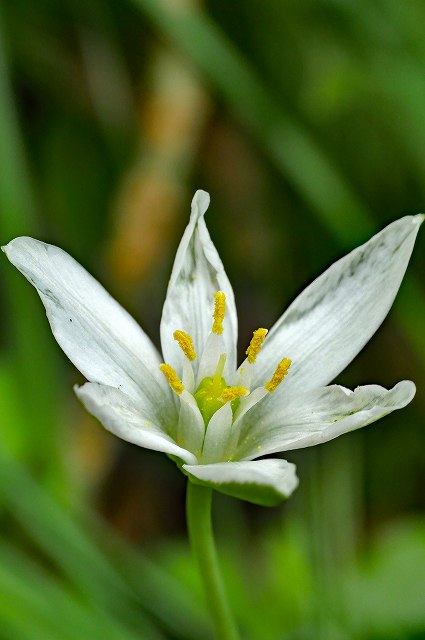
point(196, 406)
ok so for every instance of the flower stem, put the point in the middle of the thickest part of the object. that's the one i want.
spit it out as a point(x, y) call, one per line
point(198, 512)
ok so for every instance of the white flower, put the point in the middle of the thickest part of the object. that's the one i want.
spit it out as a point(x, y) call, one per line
point(212, 418)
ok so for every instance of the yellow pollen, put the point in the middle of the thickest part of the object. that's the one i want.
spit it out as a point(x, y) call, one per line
point(231, 393)
point(172, 378)
point(219, 311)
point(255, 345)
point(185, 344)
point(281, 371)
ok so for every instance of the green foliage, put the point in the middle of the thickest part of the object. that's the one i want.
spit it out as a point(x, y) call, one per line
point(275, 592)
point(313, 117)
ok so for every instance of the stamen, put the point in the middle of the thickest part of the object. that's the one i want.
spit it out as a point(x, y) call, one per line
point(219, 311)
point(281, 371)
point(255, 345)
point(172, 378)
point(185, 344)
point(231, 393)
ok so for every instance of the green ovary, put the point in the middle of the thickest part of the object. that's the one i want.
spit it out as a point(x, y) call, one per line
point(208, 396)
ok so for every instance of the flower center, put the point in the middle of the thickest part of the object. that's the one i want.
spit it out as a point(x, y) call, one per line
point(213, 392)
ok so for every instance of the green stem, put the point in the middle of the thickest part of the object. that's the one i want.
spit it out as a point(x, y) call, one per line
point(198, 512)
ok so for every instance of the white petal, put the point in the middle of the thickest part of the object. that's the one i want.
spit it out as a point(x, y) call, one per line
point(245, 405)
point(120, 415)
point(191, 427)
point(188, 377)
point(316, 417)
point(197, 274)
point(215, 347)
point(248, 402)
point(331, 321)
point(217, 435)
point(95, 332)
point(245, 374)
point(266, 482)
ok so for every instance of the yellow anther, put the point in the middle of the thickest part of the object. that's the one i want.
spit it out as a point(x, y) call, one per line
point(172, 378)
point(255, 345)
point(231, 393)
point(219, 311)
point(185, 344)
point(281, 371)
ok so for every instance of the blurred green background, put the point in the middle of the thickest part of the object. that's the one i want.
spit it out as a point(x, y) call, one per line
point(306, 122)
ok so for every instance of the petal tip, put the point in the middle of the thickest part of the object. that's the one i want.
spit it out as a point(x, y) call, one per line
point(295, 481)
point(7, 247)
point(200, 203)
point(409, 388)
point(16, 243)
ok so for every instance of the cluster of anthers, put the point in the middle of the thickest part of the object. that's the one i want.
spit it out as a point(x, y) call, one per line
point(211, 391)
